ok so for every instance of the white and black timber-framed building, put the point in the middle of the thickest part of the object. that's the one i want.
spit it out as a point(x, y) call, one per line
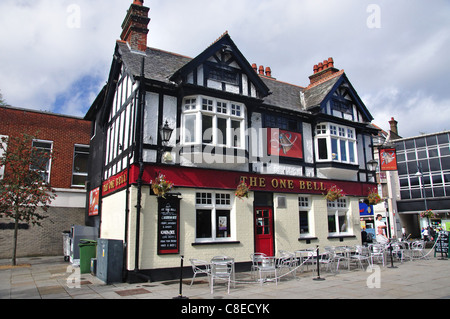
point(231, 122)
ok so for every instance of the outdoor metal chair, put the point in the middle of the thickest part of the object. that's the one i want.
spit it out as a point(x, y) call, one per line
point(361, 254)
point(268, 266)
point(377, 252)
point(287, 262)
point(256, 262)
point(200, 267)
point(221, 271)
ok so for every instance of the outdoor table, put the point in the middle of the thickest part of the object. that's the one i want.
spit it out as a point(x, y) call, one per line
point(226, 259)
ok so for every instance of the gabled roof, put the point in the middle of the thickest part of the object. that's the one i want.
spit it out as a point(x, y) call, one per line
point(320, 93)
point(224, 42)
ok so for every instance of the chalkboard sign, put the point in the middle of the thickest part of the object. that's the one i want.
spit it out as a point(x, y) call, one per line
point(168, 226)
point(442, 243)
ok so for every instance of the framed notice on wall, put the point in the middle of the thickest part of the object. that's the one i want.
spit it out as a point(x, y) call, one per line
point(168, 226)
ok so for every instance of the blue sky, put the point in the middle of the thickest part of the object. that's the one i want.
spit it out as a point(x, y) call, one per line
point(56, 54)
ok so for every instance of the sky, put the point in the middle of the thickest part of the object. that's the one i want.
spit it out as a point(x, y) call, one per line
point(55, 55)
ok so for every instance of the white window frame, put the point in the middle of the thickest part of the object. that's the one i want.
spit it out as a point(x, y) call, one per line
point(217, 204)
point(49, 168)
point(338, 208)
point(343, 135)
point(73, 164)
point(218, 109)
point(304, 205)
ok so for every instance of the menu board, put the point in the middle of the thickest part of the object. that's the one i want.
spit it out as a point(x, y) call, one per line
point(442, 243)
point(168, 226)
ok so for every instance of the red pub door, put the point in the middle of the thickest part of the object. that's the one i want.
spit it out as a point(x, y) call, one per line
point(264, 231)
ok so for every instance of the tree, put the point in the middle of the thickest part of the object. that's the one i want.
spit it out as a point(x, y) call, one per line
point(2, 101)
point(23, 189)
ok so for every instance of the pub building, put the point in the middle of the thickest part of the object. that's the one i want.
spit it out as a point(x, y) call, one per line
point(204, 126)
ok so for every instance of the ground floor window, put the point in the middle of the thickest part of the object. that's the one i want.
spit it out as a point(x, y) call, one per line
point(214, 217)
point(304, 216)
point(338, 217)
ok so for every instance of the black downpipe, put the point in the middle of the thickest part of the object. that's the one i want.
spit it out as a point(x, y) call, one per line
point(139, 140)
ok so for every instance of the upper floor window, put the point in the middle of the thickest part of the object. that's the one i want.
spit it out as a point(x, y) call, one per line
point(41, 160)
point(212, 121)
point(335, 143)
point(80, 165)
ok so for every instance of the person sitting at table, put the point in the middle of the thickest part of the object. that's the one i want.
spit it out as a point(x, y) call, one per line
point(380, 227)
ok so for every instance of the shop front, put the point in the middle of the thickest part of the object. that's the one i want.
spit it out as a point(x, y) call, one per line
point(206, 215)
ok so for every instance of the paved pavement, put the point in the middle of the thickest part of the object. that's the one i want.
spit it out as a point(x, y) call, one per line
point(52, 278)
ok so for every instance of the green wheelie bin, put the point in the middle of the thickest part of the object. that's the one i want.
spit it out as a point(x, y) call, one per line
point(88, 250)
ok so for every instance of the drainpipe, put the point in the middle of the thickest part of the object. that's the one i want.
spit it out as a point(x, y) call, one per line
point(139, 140)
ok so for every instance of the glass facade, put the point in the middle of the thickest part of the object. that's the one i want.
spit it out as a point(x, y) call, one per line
point(430, 155)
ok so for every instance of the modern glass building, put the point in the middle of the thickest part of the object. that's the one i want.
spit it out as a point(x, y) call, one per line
point(424, 180)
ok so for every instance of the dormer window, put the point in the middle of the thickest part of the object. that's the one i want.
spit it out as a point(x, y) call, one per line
point(335, 143)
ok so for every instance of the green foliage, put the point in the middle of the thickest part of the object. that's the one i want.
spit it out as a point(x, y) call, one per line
point(22, 189)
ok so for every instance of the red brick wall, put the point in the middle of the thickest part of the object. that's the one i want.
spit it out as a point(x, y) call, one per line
point(63, 131)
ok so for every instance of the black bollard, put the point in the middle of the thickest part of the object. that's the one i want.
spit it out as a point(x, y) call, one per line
point(392, 258)
point(180, 295)
point(318, 268)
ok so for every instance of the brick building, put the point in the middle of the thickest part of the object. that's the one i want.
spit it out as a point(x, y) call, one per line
point(68, 137)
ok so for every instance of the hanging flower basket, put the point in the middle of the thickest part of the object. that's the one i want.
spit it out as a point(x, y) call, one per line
point(373, 198)
point(161, 186)
point(428, 213)
point(334, 193)
point(242, 190)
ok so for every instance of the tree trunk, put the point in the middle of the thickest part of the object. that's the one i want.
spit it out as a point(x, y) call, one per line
point(16, 229)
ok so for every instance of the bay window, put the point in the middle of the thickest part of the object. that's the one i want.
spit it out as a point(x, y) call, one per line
point(213, 122)
point(335, 143)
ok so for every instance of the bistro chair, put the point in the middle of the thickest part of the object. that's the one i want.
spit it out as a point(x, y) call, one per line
point(256, 262)
point(200, 267)
point(361, 254)
point(268, 266)
point(287, 262)
point(377, 252)
point(221, 271)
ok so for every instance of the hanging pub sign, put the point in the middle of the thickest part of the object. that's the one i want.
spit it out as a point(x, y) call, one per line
point(168, 225)
point(388, 159)
point(94, 201)
point(285, 144)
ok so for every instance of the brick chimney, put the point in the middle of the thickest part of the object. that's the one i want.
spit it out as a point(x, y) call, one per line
point(323, 70)
point(394, 127)
point(135, 26)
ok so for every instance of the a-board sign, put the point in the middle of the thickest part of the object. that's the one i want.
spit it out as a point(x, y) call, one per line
point(168, 226)
point(442, 243)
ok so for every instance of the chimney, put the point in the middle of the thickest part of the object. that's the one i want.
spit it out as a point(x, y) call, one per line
point(394, 127)
point(255, 67)
point(135, 26)
point(323, 70)
point(261, 69)
point(269, 72)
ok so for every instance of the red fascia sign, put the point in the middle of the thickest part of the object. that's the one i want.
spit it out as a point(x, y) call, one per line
point(188, 177)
